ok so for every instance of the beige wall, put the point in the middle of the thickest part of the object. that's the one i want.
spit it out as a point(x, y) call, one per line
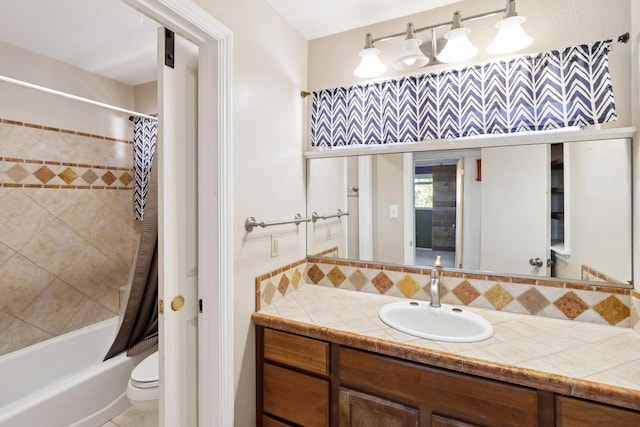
point(553, 24)
point(27, 105)
point(269, 71)
point(388, 237)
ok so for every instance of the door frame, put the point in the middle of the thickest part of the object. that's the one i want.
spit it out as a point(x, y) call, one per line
point(215, 224)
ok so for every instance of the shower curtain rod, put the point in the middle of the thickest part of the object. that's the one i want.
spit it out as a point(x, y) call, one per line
point(73, 97)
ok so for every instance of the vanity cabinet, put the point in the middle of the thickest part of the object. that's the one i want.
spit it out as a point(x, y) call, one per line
point(308, 382)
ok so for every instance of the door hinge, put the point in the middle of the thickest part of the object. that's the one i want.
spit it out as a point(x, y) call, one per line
point(169, 48)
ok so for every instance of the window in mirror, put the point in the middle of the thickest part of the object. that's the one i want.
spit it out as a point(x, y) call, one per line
point(423, 188)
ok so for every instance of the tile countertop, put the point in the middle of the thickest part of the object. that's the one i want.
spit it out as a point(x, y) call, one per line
point(585, 360)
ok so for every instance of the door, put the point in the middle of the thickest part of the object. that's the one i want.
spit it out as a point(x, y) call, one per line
point(515, 238)
point(443, 227)
point(178, 230)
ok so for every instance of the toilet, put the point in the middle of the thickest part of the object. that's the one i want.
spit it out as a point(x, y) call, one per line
point(143, 389)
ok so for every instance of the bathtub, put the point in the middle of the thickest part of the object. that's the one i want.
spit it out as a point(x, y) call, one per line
point(64, 382)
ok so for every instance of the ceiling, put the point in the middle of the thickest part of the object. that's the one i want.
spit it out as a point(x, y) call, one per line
point(319, 18)
point(109, 38)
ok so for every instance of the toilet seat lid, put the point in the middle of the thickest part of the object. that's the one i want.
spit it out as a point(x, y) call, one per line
point(146, 374)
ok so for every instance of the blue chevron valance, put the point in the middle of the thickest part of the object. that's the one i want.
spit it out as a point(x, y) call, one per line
point(551, 90)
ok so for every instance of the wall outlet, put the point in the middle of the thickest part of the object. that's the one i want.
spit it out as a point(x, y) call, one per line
point(328, 232)
point(275, 245)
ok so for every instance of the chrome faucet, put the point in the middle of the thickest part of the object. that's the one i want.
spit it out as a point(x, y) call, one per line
point(435, 283)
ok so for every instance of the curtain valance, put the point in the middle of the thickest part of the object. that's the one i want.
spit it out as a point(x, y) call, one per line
point(549, 90)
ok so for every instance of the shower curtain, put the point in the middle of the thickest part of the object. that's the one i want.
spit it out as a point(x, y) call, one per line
point(139, 318)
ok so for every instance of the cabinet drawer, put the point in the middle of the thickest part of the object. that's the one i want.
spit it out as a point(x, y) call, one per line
point(449, 394)
point(578, 413)
point(300, 352)
point(296, 397)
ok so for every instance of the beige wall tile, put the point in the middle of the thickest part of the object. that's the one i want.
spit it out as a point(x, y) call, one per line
point(20, 334)
point(54, 307)
point(55, 247)
point(21, 219)
point(21, 281)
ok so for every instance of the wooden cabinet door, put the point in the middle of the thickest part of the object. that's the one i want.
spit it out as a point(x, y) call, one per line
point(364, 410)
point(579, 413)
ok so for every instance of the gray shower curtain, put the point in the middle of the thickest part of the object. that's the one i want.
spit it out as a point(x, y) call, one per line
point(139, 319)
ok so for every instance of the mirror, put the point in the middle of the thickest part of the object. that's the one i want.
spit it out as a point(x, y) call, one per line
point(560, 210)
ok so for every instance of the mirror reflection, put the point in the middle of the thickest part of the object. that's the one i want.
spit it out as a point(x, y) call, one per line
point(546, 210)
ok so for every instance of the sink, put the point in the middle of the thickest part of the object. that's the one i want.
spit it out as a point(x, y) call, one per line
point(445, 323)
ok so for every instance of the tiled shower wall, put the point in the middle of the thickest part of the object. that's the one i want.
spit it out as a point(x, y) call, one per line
point(67, 233)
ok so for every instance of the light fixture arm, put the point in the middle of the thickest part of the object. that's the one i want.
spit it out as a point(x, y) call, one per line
point(443, 24)
point(510, 10)
point(410, 32)
point(368, 41)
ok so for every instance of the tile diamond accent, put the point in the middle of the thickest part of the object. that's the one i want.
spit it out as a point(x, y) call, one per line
point(315, 274)
point(68, 175)
point(382, 282)
point(17, 173)
point(44, 174)
point(295, 278)
point(109, 178)
point(284, 284)
point(268, 292)
point(466, 293)
point(126, 179)
point(358, 279)
point(408, 286)
point(533, 300)
point(498, 296)
point(90, 176)
point(336, 276)
point(571, 305)
point(612, 310)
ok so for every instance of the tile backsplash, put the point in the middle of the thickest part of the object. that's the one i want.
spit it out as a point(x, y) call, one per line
point(551, 298)
point(67, 233)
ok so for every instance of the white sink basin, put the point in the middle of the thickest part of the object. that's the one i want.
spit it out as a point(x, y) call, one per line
point(446, 323)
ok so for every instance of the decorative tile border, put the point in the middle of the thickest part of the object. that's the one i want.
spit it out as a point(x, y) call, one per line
point(28, 173)
point(270, 287)
point(550, 298)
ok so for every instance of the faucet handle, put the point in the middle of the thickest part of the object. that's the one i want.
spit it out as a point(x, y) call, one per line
point(438, 262)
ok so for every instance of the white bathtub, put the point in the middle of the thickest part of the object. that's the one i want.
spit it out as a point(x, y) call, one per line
point(64, 382)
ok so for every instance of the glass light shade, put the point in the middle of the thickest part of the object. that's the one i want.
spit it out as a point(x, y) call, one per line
point(510, 38)
point(370, 65)
point(411, 57)
point(458, 47)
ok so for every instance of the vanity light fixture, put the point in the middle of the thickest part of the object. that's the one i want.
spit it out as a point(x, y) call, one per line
point(370, 64)
point(411, 57)
point(458, 47)
point(511, 37)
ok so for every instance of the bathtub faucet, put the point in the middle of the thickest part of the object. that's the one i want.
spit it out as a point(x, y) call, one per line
point(435, 283)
